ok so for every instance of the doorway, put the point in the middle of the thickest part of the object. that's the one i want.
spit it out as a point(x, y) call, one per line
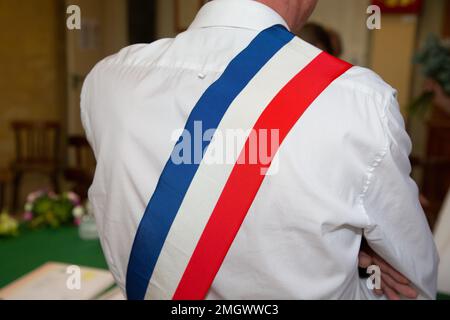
point(106, 27)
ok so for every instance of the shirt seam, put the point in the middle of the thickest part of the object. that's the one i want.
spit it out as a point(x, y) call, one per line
point(152, 64)
point(370, 172)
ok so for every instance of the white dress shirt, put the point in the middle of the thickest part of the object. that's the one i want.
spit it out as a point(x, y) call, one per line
point(343, 171)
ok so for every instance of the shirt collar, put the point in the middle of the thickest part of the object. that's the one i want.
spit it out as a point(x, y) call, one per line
point(247, 14)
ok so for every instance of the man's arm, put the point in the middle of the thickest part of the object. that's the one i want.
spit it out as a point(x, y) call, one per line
point(398, 230)
point(393, 285)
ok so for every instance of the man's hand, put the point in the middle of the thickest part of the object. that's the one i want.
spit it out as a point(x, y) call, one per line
point(393, 284)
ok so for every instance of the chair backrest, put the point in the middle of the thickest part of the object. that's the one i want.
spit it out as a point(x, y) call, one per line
point(37, 141)
point(80, 153)
point(81, 165)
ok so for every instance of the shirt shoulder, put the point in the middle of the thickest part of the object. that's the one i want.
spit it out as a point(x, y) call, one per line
point(353, 86)
point(136, 55)
point(114, 70)
point(367, 84)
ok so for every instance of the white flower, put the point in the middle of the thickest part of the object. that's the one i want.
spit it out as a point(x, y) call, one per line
point(78, 212)
point(33, 196)
point(72, 196)
point(28, 207)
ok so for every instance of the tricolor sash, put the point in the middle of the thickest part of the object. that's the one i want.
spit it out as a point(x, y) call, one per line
point(197, 209)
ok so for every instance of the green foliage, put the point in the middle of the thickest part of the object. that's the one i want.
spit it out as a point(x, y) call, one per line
point(51, 211)
point(9, 227)
point(435, 61)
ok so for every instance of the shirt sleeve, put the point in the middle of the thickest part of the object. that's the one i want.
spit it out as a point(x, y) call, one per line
point(398, 230)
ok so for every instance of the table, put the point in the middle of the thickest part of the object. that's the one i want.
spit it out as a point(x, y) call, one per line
point(32, 249)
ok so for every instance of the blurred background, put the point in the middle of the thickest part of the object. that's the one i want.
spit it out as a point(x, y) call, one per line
point(46, 165)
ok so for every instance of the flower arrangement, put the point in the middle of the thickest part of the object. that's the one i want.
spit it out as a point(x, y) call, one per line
point(435, 61)
point(45, 208)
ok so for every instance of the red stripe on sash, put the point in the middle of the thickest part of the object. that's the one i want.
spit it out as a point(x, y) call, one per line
point(245, 180)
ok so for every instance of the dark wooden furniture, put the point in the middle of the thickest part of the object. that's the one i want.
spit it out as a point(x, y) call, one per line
point(141, 21)
point(4, 179)
point(446, 30)
point(80, 170)
point(436, 164)
point(37, 151)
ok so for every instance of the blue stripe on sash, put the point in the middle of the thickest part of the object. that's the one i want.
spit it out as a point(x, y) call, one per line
point(176, 179)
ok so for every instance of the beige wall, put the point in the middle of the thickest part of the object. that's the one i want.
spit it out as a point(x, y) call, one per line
point(116, 25)
point(165, 22)
point(392, 51)
point(31, 64)
point(348, 18)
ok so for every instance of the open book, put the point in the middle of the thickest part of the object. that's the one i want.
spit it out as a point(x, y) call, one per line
point(57, 281)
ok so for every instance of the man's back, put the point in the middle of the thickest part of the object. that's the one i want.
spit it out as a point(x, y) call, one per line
point(342, 172)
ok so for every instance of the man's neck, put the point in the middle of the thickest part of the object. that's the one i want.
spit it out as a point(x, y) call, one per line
point(283, 8)
point(294, 12)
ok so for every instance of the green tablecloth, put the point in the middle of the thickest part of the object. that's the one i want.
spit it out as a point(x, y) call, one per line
point(443, 297)
point(32, 249)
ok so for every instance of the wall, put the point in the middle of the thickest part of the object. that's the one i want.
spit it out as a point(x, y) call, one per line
point(116, 24)
point(392, 49)
point(31, 64)
point(165, 22)
point(348, 18)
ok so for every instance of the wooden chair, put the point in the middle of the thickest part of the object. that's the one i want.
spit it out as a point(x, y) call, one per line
point(81, 165)
point(38, 146)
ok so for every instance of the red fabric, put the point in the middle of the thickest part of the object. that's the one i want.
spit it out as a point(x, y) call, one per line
point(399, 6)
